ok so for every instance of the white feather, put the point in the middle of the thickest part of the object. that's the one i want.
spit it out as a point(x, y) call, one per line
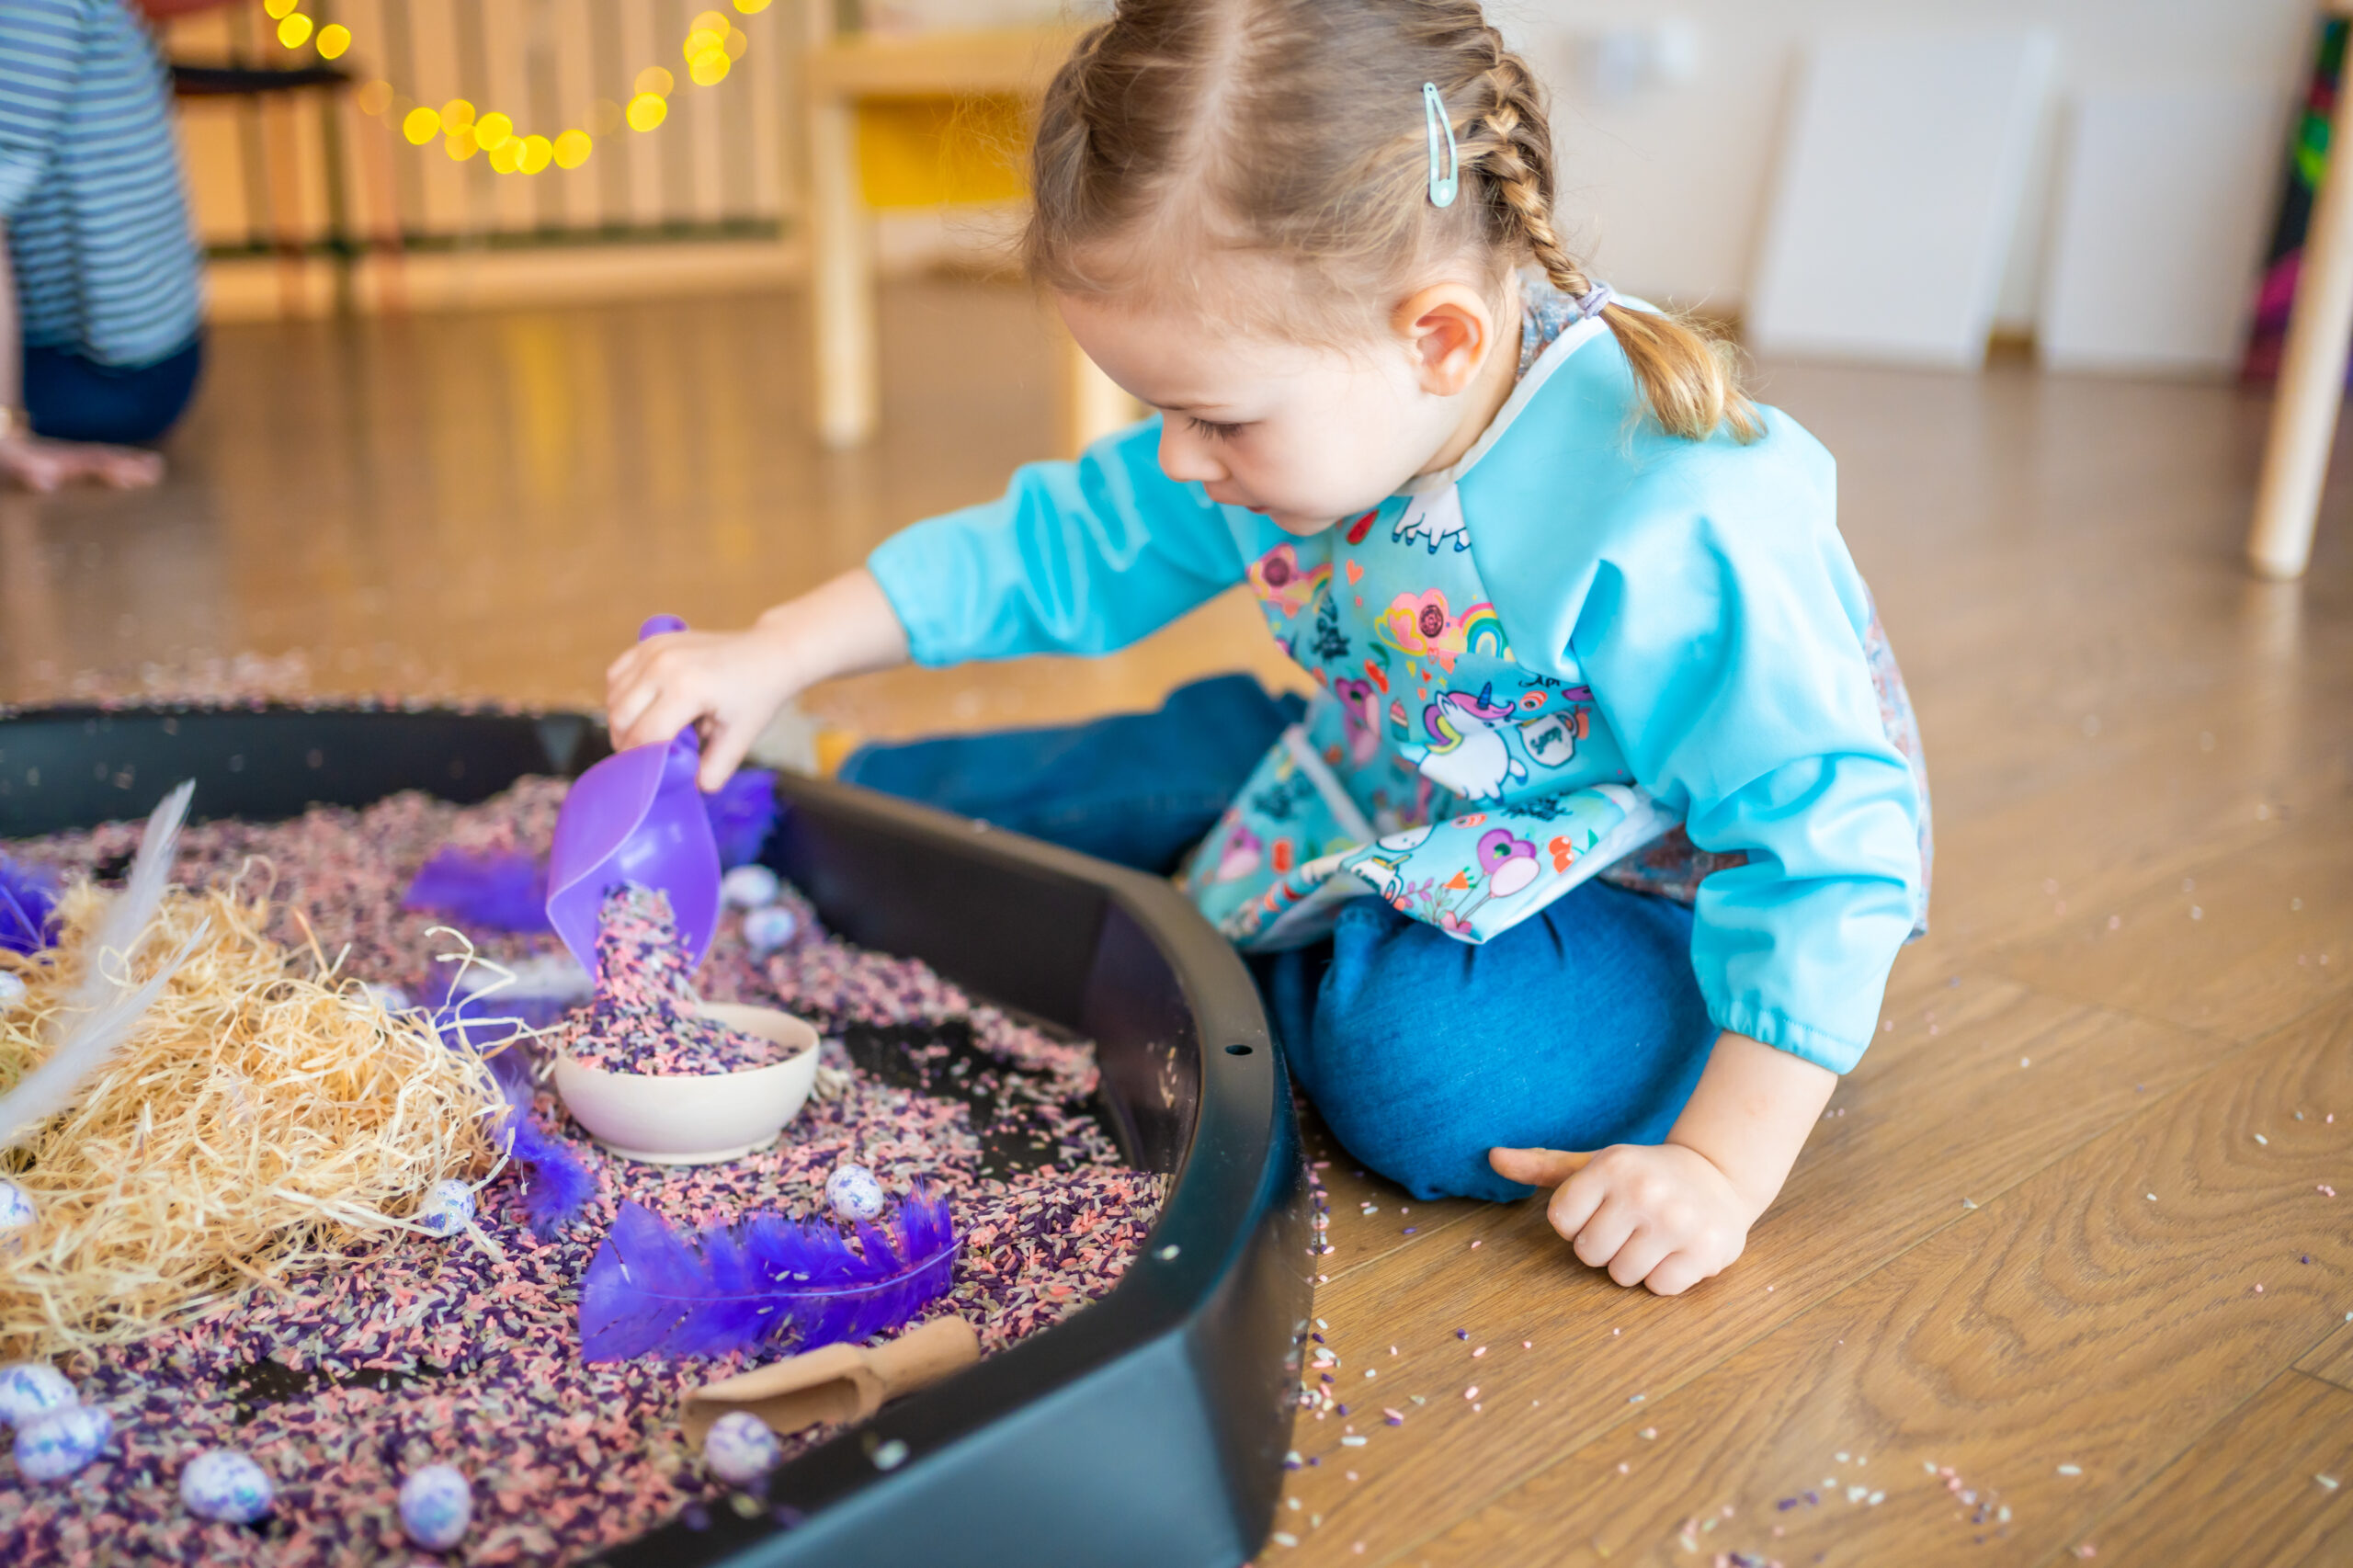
point(107, 1004)
point(124, 926)
point(82, 1047)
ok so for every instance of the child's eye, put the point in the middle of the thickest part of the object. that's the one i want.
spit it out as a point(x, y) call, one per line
point(1214, 431)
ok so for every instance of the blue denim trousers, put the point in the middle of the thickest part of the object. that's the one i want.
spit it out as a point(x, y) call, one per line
point(1580, 1028)
point(75, 399)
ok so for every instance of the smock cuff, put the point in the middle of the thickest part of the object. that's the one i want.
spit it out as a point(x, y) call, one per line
point(912, 588)
point(1777, 1030)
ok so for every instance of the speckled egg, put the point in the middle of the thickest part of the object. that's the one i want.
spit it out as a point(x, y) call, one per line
point(436, 1504)
point(32, 1388)
point(739, 1449)
point(226, 1486)
point(749, 887)
point(766, 930)
point(16, 1210)
point(447, 1209)
point(53, 1447)
point(392, 999)
point(854, 1193)
point(12, 989)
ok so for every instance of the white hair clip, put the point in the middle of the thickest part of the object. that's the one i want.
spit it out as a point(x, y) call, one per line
point(1443, 185)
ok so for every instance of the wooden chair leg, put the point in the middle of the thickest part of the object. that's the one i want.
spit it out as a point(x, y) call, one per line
point(2312, 375)
point(841, 278)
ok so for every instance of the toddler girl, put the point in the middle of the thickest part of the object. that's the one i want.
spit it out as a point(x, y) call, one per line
point(1575, 606)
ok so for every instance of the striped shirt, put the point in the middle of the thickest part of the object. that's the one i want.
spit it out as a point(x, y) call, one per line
point(106, 261)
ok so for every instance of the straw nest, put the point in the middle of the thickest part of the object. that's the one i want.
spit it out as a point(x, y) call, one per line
point(264, 1114)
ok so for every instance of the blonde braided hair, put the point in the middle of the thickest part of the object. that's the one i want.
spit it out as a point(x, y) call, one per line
point(1293, 128)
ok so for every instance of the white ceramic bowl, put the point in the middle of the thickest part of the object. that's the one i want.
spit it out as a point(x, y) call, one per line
point(701, 1120)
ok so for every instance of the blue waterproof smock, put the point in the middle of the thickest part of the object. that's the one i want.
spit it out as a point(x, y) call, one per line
point(1588, 647)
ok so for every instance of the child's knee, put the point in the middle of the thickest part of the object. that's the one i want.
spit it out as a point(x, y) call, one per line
point(1429, 1158)
point(1405, 1076)
point(1422, 1052)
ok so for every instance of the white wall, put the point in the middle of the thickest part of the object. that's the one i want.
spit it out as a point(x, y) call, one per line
point(1666, 190)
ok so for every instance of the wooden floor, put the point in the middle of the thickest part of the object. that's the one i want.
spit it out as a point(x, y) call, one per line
point(2063, 1273)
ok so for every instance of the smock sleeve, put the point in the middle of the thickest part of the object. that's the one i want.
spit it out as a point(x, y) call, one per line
point(1704, 595)
point(1074, 558)
point(1735, 680)
point(41, 50)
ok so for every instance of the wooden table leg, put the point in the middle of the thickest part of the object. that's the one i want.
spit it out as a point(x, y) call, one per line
point(2311, 375)
point(841, 278)
point(1089, 404)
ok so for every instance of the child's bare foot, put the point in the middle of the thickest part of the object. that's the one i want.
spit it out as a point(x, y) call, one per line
point(42, 465)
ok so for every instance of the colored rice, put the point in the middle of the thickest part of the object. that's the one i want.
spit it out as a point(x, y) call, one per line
point(349, 1377)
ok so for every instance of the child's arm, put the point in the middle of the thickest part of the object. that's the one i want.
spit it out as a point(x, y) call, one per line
point(1073, 558)
point(1673, 1214)
point(738, 679)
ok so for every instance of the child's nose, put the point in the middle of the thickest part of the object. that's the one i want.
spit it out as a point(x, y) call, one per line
point(1187, 459)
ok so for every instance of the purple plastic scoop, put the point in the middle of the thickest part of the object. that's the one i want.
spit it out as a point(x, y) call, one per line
point(636, 817)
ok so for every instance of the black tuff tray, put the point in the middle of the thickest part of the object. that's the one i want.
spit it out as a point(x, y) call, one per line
point(1149, 1429)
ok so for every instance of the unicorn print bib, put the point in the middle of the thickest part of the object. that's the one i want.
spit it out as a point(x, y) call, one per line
point(1432, 770)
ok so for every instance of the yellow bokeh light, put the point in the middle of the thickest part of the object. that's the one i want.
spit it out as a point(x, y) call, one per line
point(712, 45)
point(751, 7)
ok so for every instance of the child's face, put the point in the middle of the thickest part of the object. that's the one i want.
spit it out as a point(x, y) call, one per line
point(1306, 435)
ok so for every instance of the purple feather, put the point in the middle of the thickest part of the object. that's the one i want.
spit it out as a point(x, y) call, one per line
point(28, 906)
point(497, 891)
point(559, 1185)
point(649, 1290)
point(743, 812)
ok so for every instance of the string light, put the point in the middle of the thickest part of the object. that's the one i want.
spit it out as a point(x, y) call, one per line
point(713, 44)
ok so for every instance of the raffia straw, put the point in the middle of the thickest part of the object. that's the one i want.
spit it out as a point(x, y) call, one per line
point(265, 1114)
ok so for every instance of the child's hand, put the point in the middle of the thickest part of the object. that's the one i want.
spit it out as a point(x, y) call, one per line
point(734, 682)
point(1660, 1215)
point(1672, 1214)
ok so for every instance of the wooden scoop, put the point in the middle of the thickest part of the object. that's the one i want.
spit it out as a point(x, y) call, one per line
point(835, 1382)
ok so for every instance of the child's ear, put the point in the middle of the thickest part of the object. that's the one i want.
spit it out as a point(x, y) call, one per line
point(1448, 328)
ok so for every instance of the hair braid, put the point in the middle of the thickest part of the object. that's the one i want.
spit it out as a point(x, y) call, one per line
point(1688, 376)
point(1519, 166)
